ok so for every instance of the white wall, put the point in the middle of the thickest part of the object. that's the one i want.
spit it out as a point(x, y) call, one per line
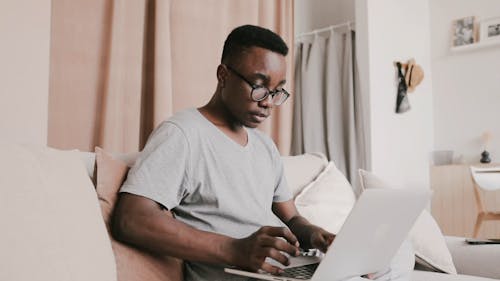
point(466, 85)
point(400, 143)
point(314, 14)
point(24, 70)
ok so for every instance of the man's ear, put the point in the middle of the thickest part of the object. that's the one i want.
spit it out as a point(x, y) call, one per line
point(222, 75)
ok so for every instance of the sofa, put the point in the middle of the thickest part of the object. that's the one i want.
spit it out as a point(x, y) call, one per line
point(55, 218)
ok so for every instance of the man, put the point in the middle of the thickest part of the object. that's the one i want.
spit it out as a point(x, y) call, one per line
point(221, 178)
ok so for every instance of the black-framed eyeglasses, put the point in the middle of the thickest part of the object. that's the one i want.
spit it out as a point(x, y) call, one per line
point(260, 92)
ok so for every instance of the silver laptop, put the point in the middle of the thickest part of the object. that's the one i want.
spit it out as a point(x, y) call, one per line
point(371, 235)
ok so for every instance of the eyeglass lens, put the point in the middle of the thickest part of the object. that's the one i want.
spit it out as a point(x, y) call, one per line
point(278, 98)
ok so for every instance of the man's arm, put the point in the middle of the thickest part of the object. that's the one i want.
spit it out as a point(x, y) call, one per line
point(144, 223)
point(309, 235)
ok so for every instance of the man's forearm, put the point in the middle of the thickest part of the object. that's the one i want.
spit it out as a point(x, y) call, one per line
point(180, 240)
point(160, 233)
point(301, 227)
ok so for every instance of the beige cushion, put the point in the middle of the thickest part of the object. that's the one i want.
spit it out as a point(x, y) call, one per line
point(51, 221)
point(88, 159)
point(132, 264)
point(418, 275)
point(110, 175)
point(481, 260)
point(302, 169)
point(327, 200)
point(427, 239)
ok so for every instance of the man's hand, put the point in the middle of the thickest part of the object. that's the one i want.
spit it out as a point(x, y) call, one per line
point(250, 253)
point(320, 238)
point(310, 236)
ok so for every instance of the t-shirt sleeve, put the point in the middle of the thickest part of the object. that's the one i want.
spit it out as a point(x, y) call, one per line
point(281, 191)
point(160, 172)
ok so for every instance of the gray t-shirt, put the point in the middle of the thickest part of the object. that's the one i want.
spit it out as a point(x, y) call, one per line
point(209, 181)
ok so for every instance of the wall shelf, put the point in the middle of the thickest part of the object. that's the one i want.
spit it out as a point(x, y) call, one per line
point(475, 46)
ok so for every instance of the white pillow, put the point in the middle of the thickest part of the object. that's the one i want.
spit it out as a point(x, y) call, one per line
point(428, 240)
point(327, 201)
point(302, 169)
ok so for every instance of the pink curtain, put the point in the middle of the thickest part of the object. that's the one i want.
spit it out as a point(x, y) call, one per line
point(119, 68)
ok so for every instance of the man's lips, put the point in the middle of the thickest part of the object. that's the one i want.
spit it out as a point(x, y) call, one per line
point(259, 117)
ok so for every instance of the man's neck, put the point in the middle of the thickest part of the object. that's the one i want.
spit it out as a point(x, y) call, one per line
point(221, 117)
point(217, 113)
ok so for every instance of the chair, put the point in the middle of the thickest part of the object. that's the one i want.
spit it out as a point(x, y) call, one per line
point(487, 179)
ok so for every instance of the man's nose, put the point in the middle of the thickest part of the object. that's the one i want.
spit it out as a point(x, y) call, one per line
point(267, 102)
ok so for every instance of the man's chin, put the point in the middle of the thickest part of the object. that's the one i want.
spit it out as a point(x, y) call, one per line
point(254, 121)
point(252, 125)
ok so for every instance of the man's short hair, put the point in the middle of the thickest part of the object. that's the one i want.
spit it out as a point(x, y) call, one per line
point(247, 36)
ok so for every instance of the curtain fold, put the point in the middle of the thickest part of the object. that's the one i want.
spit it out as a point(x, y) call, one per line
point(121, 100)
point(119, 68)
point(328, 116)
point(156, 102)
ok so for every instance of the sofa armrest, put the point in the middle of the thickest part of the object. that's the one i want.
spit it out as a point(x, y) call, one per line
point(478, 260)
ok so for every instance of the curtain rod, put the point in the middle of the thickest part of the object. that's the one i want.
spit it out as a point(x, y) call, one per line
point(328, 28)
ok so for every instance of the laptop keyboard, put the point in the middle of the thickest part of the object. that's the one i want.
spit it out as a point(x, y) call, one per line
point(302, 272)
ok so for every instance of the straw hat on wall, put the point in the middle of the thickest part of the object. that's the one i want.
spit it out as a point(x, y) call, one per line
point(414, 75)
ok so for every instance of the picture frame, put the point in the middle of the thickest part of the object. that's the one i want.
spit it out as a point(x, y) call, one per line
point(490, 29)
point(464, 31)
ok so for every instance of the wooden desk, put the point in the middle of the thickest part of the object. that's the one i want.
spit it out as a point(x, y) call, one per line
point(453, 202)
